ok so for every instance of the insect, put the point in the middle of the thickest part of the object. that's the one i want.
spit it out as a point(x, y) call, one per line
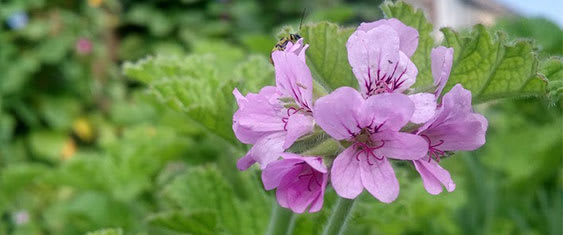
point(292, 37)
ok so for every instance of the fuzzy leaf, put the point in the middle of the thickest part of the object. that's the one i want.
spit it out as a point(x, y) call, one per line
point(327, 56)
point(209, 190)
point(491, 67)
point(196, 222)
point(190, 85)
point(415, 18)
point(107, 231)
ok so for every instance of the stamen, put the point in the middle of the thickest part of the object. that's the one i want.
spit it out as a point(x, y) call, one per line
point(432, 150)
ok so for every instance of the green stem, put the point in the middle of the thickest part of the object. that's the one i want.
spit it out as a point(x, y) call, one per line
point(281, 222)
point(337, 222)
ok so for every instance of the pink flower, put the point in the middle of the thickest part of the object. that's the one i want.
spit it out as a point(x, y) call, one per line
point(372, 126)
point(275, 118)
point(442, 59)
point(425, 103)
point(83, 46)
point(379, 55)
point(454, 127)
point(300, 182)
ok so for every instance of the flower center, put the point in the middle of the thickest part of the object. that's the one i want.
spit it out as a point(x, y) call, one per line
point(432, 150)
point(384, 84)
point(368, 150)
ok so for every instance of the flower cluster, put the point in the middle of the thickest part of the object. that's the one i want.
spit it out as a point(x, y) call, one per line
point(383, 120)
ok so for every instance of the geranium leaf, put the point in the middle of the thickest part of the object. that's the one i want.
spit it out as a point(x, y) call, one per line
point(327, 56)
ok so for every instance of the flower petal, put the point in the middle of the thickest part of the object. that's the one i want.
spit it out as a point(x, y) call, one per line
point(275, 171)
point(458, 135)
point(257, 115)
point(393, 110)
point(297, 126)
point(408, 35)
point(293, 78)
point(442, 59)
point(298, 49)
point(282, 195)
point(456, 105)
point(373, 55)
point(433, 176)
point(337, 113)
point(345, 174)
point(315, 162)
point(298, 191)
point(267, 149)
point(400, 145)
point(424, 107)
point(317, 204)
point(403, 75)
point(379, 179)
point(245, 162)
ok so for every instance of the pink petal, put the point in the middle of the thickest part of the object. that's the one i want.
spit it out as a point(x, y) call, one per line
point(293, 78)
point(267, 149)
point(458, 99)
point(317, 204)
point(458, 135)
point(442, 59)
point(338, 113)
point(245, 162)
point(424, 107)
point(314, 162)
point(379, 179)
point(257, 115)
point(298, 49)
point(456, 105)
point(297, 125)
point(408, 35)
point(297, 192)
point(455, 123)
point(400, 145)
point(404, 75)
point(393, 110)
point(275, 171)
point(372, 55)
point(241, 100)
point(433, 176)
point(345, 174)
point(282, 195)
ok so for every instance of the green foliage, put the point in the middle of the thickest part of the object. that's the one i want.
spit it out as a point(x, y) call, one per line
point(486, 63)
point(107, 231)
point(215, 203)
point(198, 222)
point(327, 57)
point(548, 35)
point(185, 84)
point(491, 68)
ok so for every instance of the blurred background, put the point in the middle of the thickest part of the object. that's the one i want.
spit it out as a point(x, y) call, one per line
point(83, 148)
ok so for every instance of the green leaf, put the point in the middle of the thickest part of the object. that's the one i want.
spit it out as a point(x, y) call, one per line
point(491, 67)
point(191, 85)
point(552, 70)
point(486, 63)
point(415, 18)
point(254, 73)
point(208, 190)
point(107, 231)
point(195, 222)
point(327, 56)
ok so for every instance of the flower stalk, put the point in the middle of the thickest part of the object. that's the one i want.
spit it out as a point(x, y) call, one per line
point(281, 221)
point(339, 218)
